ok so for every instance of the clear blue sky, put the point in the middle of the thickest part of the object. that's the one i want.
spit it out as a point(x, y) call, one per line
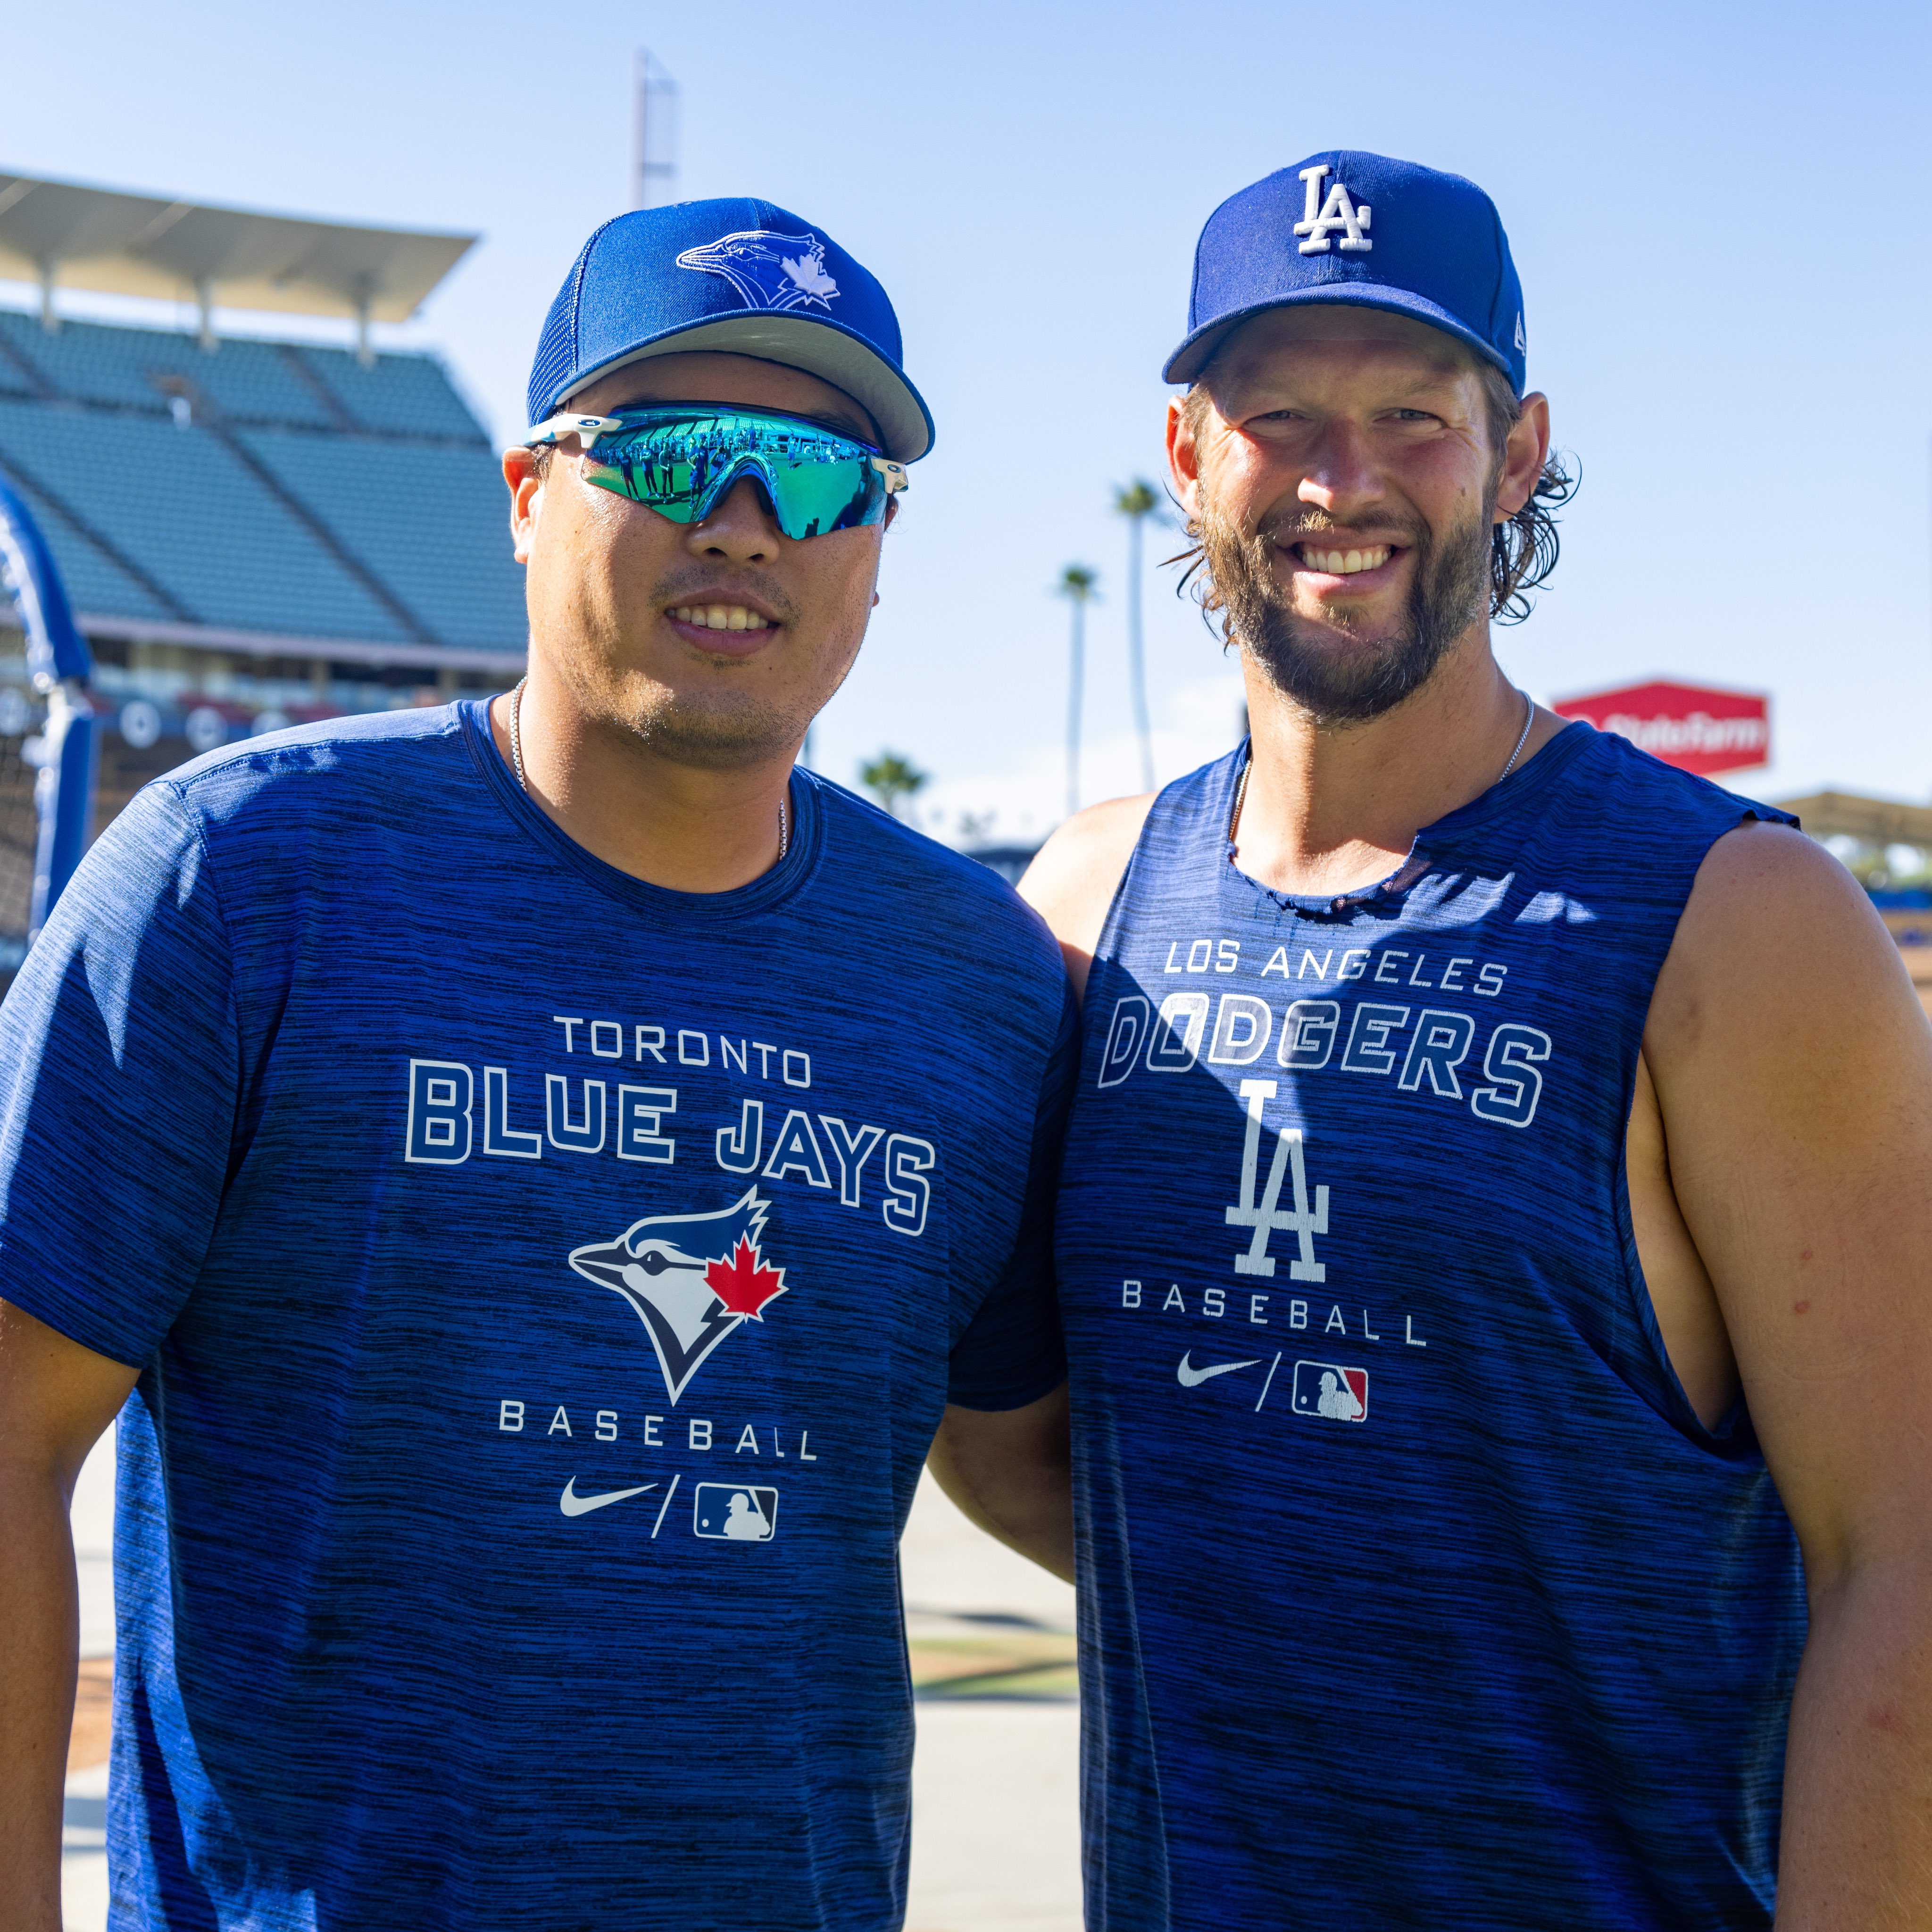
point(1719, 213)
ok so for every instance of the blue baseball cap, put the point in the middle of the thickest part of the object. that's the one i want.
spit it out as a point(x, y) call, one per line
point(743, 277)
point(1363, 232)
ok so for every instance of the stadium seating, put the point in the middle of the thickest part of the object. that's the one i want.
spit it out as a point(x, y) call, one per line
point(267, 488)
point(198, 525)
point(448, 493)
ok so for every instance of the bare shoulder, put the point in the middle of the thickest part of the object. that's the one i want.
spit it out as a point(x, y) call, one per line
point(1793, 1065)
point(1793, 1070)
point(1773, 925)
point(1071, 880)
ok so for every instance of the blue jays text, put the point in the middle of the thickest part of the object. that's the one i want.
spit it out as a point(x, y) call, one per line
point(868, 1164)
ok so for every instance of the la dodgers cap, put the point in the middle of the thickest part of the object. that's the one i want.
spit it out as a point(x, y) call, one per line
point(744, 277)
point(1361, 231)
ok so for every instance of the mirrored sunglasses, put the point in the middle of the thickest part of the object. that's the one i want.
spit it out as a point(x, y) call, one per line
point(679, 459)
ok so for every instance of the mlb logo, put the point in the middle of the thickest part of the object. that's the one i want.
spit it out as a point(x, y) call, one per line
point(735, 1512)
point(1334, 1394)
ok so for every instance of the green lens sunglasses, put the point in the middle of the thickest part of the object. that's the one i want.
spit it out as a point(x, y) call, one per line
point(680, 458)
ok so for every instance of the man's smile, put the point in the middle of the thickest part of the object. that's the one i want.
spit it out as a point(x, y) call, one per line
point(1341, 562)
point(723, 621)
point(720, 617)
point(1334, 562)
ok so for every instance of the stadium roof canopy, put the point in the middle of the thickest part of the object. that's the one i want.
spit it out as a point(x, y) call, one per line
point(272, 498)
point(61, 233)
point(1873, 821)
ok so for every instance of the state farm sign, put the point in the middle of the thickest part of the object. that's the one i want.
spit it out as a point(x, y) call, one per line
point(1686, 725)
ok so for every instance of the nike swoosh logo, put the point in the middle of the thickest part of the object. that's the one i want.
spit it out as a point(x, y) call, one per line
point(572, 1504)
point(1193, 1378)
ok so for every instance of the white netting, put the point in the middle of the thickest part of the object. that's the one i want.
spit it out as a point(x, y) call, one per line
point(20, 718)
point(20, 828)
point(19, 835)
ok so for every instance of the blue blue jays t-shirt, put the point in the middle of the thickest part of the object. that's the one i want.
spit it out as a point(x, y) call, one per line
point(545, 1286)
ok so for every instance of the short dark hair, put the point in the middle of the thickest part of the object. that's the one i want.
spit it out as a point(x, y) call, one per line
point(1523, 549)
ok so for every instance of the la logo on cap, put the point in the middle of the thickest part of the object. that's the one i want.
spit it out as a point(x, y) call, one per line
point(1338, 211)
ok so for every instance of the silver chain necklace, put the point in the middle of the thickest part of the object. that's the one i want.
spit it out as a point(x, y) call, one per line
point(517, 764)
point(1528, 719)
point(1241, 784)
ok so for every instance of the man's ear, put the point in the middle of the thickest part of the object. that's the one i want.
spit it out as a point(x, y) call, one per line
point(1524, 452)
point(1184, 456)
point(526, 487)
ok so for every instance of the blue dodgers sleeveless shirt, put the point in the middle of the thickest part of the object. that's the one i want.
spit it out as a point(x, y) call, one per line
point(1413, 1593)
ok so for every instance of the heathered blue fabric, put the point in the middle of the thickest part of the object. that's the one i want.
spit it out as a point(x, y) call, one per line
point(1485, 1630)
point(370, 1672)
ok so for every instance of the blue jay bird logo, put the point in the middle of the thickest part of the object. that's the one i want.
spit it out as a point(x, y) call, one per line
point(693, 1279)
point(768, 270)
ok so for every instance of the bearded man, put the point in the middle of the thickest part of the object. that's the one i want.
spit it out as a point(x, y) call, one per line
point(1494, 1231)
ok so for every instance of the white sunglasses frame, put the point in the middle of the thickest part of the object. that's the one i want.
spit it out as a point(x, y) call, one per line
point(588, 429)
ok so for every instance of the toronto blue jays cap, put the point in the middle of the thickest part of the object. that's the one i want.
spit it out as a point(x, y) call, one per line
point(1363, 232)
point(742, 276)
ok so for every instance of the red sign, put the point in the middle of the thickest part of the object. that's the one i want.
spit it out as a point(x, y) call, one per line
point(1687, 725)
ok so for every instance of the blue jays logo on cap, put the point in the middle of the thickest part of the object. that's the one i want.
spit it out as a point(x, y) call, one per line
point(743, 277)
point(756, 264)
point(1359, 230)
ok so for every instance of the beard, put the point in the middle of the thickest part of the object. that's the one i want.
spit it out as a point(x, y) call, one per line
point(1346, 680)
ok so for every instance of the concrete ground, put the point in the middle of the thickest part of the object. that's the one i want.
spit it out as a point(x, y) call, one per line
point(995, 1787)
point(84, 1839)
point(995, 1797)
point(995, 1820)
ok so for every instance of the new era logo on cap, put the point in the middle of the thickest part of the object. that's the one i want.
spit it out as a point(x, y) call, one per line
point(1360, 230)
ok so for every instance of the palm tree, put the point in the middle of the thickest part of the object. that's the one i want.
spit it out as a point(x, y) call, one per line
point(1137, 502)
point(1076, 585)
point(889, 778)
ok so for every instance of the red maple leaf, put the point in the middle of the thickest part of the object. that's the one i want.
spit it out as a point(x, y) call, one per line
point(744, 1284)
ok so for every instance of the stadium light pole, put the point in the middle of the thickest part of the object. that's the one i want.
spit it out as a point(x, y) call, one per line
point(653, 134)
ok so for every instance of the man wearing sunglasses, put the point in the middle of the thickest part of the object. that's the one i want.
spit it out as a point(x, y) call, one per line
point(542, 1203)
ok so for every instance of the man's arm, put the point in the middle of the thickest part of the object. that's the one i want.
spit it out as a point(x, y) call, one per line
point(55, 1399)
point(1010, 1472)
point(1793, 1068)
